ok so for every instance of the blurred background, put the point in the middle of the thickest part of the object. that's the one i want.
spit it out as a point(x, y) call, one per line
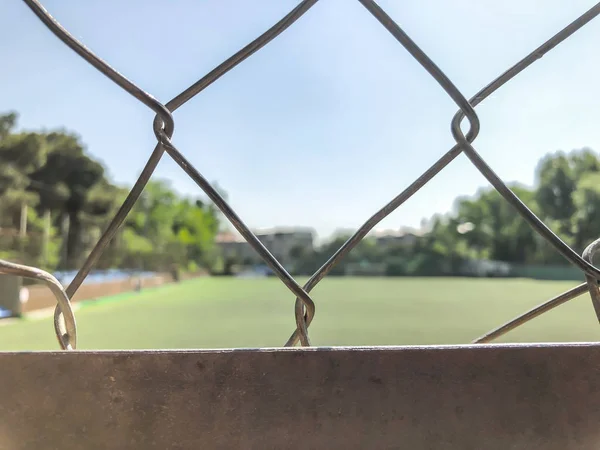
point(306, 140)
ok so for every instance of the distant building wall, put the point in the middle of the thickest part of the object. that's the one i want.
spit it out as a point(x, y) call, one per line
point(279, 241)
point(388, 240)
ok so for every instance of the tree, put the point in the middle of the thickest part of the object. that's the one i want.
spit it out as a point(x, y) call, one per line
point(53, 173)
point(20, 155)
point(586, 199)
point(496, 230)
point(8, 122)
point(566, 198)
point(195, 226)
point(181, 230)
point(556, 183)
point(65, 182)
point(584, 161)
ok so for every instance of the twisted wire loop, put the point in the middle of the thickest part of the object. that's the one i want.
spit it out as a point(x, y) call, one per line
point(451, 154)
point(64, 318)
point(304, 309)
point(163, 127)
point(158, 151)
point(450, 89)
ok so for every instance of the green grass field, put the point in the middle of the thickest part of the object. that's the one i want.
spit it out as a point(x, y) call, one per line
point(218, 313)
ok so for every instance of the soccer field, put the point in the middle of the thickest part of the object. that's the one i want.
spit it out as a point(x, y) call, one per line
point(234, 312)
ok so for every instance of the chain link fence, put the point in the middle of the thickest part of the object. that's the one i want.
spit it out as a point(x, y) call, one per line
point(163, 126)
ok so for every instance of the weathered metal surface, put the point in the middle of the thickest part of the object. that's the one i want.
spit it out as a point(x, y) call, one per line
point(485, 397)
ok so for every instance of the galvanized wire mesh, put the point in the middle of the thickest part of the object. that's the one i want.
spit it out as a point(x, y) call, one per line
point(305, 307)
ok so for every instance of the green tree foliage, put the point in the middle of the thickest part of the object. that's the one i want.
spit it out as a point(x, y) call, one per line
point(556, 184)
point(21, 154)
point(486, 227)
point(166, 229)
point(566, 197)
point(51, 172)
point(497, 231)
point(586, 199)
point(64, 184)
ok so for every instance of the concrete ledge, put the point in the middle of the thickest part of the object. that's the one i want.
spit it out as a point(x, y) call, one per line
point(471, 397)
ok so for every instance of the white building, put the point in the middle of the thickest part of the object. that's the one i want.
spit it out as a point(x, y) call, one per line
point(404, 236)
point(279, 241)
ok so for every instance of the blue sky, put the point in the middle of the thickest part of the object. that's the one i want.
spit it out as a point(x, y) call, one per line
point(329, 121)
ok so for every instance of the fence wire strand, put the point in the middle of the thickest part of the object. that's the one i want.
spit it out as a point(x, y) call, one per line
point(304, 310)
